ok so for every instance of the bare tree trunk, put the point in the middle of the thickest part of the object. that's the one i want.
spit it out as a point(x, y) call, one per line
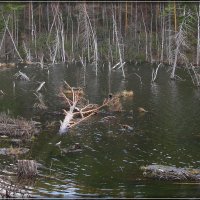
point(170, 56)
point(6, 25)
point(72, 39)
point(175, 20)
point(118, 45)
point(61, 27)
point(146, 36)
point(198, 38)
point(94, 37)
point(32, 25)
point(157, 38)
point(126, 19)
point(179, 41)
point(48, 24)
point(151, 36)
point(163, 38)
point(135, 21)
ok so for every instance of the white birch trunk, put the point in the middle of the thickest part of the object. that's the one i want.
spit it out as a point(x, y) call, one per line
point(198, 38)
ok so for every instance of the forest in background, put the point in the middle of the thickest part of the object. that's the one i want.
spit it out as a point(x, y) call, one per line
point(100, 32)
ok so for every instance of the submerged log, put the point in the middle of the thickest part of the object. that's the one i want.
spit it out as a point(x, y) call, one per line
point(2, 93)
point(22, 76)
point(27, 168)
point(162, 172)
point(72, 149)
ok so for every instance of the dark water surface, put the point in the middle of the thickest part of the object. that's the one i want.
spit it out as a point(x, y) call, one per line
point(108, 166)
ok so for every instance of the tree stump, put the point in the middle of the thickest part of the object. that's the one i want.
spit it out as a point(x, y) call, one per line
point(27, 168)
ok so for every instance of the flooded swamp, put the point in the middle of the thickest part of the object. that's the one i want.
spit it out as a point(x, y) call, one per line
point(112, 146)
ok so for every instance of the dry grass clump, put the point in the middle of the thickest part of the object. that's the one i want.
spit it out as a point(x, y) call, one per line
point(78, 90)
point(5, 66)
point(70, 91)
point(27, 168)
point(125, 93)
point(142, 110)
point(17, 127)
point(115, 105)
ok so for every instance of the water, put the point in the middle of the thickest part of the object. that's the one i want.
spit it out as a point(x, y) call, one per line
point(109, 165)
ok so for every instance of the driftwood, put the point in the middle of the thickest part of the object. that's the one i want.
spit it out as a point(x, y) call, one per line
point(40, 86)
point(162, 172)
point(17, 127)
point(22, 76)
point(27, 168)
point(2, 93)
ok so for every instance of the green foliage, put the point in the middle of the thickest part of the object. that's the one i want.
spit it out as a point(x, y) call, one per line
point(8, 7)
point(22, 51)
point(168, 9)
point(2, 26)
point(41, 43)
point(191, 6)
point(141, 57)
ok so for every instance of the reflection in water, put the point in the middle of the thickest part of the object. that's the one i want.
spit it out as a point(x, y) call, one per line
point(174, 93)
point(197, 93)
point(13, 88)
point(155, 90)
point(109, 165)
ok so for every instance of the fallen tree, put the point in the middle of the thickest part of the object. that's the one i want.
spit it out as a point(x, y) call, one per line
point(81, 109)
point(162, 172)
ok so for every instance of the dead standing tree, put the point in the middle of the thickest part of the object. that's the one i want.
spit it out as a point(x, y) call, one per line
point(88, 35)
point(181, 41)
point(119, 46)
